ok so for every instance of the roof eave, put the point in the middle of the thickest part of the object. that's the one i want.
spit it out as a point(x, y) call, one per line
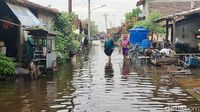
point(140, 2)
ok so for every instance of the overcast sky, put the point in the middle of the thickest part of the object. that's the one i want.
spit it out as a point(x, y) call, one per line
point(115, 9)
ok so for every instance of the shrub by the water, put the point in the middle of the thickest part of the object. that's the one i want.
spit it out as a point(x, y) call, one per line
point(7, 66)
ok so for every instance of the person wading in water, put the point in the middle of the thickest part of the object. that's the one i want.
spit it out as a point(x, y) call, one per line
point(109, 46)
point(125, 44)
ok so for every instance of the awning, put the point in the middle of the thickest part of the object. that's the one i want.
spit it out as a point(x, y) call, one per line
point(41, 33)
point(25, 16)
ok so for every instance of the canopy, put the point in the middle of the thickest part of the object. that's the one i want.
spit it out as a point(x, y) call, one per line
point(40, 33)
point(24, 15)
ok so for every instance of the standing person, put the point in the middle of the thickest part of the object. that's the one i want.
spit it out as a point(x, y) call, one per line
point(30, 49)
point(109, 46)
point(125, 44)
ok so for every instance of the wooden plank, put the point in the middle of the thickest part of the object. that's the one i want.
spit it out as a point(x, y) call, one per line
point(181, 72)
point(194, 94)
point(167, 30)
point(170, 69)
point(174, 34)
point(186, 54)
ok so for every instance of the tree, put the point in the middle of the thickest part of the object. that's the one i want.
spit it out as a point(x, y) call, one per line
point(93, 26)
point(64, 22)
point(131, 17)
point(66, 41)
point(150, 23)
point(134, 13)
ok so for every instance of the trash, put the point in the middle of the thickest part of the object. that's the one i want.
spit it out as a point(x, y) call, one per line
point(133, 73)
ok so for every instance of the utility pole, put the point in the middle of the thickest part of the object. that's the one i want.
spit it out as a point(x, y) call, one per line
point(70, 6)
point(114, 20)
point(111, 25)
point(122, 26)
point(106, 21)
point(89, 17)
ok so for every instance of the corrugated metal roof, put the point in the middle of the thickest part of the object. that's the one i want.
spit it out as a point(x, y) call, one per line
point(31, 5)
point(24, 15)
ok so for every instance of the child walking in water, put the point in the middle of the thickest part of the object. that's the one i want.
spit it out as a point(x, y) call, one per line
point(124, 43)
point(109, 47)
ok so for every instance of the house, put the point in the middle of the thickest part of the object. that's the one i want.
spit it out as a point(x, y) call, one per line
point(167, 7)
point(177, 29)
point(183, 27)
point(15, 16)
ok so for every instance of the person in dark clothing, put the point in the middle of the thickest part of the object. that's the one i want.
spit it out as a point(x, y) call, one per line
point(109, 47)
point(86, 42)
point(30, 47)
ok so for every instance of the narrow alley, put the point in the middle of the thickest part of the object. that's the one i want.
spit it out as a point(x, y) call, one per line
point(90, 84)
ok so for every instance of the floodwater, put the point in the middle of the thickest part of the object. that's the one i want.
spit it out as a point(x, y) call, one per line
point(91, 84)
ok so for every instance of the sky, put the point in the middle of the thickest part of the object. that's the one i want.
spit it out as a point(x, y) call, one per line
point(115, 9)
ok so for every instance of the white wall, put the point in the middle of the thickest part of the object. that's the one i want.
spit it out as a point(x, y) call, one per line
point(46, 19)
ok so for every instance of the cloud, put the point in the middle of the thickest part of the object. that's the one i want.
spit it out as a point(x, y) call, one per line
point(115, 9)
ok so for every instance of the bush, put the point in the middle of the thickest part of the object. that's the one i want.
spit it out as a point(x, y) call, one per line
point(66, 41)
point(7, 65)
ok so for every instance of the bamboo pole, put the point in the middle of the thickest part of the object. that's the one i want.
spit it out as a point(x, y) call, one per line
point(174, 34)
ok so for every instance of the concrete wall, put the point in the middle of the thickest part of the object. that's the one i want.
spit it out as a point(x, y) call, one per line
point(185, 30)
point(47, 19)
point(145, 8)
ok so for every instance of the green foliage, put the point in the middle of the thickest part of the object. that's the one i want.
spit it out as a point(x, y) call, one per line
point(64, 22)
point(93, 26)
point(150, 23)
point(134, 13)
point(64, 25)
point(7, 66)
point(131, 18)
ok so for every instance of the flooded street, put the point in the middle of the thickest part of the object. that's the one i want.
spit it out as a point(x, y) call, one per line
point(90, 84)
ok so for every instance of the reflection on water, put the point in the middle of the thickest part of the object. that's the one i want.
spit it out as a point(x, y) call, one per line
point(109, 72)
point(125, 68)
point(91, 84)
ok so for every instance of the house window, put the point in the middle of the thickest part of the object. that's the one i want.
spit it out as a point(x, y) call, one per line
point(49, 44)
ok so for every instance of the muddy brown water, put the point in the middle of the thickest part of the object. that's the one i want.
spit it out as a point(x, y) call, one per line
point(91, 84)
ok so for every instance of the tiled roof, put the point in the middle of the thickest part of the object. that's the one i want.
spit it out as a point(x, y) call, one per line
point(31, 5)
point(168, 8)
point(179, 15)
